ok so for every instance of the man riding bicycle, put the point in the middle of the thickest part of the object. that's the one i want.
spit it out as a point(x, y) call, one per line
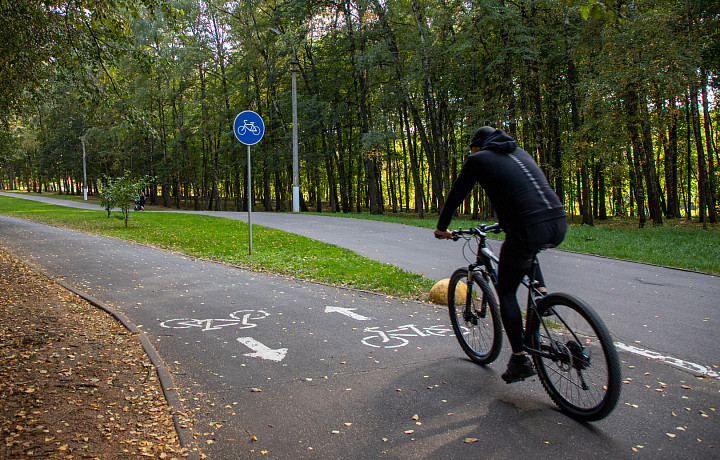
point(529, 212)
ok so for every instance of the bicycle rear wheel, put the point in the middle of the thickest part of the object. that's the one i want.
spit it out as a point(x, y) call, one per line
point(475, 317)
point(582, 374)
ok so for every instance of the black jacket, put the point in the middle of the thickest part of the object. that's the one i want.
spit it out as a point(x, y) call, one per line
point(515, 184)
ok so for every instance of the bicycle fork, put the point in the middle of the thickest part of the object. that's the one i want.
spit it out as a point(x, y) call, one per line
point(470, 314)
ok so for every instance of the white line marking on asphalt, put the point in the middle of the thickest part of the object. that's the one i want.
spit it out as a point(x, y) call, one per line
point(262, 351)
point(347, 312)
point(697, 369)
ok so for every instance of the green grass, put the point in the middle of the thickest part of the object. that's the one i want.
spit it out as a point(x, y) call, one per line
point(226, 240)
point(678, 243)
point(79, 198)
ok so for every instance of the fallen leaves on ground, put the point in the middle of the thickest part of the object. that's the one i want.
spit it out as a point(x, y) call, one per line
point(74, 383)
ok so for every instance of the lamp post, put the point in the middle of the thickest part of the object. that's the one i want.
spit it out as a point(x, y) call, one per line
point(82, 139)
point(296, 176)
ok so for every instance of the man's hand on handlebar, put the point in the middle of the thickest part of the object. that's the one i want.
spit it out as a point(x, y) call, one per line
point(443, 235)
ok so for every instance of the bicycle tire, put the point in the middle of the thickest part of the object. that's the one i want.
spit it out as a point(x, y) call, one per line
point(583, 377)
point(479, 332)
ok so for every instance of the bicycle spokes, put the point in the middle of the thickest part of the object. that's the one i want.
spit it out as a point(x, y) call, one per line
point(571, 356)
point(475, 317)
point(575, 358)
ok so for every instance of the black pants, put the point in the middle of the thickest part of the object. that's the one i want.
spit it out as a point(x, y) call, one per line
point(515, 262)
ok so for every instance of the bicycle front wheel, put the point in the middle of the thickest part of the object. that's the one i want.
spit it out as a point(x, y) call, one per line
point(578, 365)
point(474, 316)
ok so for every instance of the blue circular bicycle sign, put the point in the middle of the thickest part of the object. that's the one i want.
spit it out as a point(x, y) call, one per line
point(249, 127)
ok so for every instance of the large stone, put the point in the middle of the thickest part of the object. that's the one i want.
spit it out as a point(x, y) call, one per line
point(439, 292)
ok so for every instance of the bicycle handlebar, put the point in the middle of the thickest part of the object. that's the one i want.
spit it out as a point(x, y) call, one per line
point(481, 230)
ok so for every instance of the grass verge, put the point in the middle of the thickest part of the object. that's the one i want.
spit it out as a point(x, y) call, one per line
point(226, 240)
point(678, 243)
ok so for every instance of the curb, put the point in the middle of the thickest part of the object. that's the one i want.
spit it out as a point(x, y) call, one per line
point(183, 430)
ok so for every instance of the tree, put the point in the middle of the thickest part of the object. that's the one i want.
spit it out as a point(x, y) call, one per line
point(388, 93)
point(107, 195)
point(121, 193)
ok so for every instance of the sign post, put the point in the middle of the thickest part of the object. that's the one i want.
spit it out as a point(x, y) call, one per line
point(85, 187)
point(249, 129)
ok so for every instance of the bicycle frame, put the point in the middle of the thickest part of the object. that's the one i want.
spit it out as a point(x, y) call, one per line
point(485, 264)
point(486, 261)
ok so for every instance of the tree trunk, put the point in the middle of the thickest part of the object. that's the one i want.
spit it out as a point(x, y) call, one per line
point(633, 126)
point(364, 119)
point(688, 159)
point(430, 154)
point(705, 196)
point(555, 169)
point(414, 168)
point(602, 197)
point(711, 199)
point(670, 140)
point(329, 155)
point(584, 195)
point(649, 171)
point(637, 190)
point(345, 186)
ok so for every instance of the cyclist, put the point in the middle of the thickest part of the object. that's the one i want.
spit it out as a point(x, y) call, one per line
point(529, 212)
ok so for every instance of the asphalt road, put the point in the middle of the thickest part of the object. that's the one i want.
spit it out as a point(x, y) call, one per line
point(331, 388)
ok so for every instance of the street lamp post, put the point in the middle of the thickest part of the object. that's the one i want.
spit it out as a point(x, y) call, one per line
point(296, 179)
point(82, 139)
point(296, 176)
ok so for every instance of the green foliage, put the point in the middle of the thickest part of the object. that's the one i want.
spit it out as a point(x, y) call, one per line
point(107, 195)
point(389, 89)
point(610, 10)
point(38, 38)
point(121, 193)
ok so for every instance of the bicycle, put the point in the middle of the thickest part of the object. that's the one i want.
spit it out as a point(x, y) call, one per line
point(571, 348)
point(248, 126)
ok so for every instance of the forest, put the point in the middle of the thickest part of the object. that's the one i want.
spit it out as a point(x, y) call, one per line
point(616, 101)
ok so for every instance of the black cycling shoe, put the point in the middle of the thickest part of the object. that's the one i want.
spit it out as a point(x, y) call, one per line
point(519, 368)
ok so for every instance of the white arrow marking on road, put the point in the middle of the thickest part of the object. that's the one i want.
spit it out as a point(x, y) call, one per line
point(346, 312)
point(261, 351)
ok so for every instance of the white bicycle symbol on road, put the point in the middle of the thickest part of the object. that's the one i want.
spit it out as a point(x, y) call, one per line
point(248, 126)
point(396, 338)
point(240, 318)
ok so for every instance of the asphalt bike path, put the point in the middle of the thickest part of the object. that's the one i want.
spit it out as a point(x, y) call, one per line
point(314, 371)
point(654, 310)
